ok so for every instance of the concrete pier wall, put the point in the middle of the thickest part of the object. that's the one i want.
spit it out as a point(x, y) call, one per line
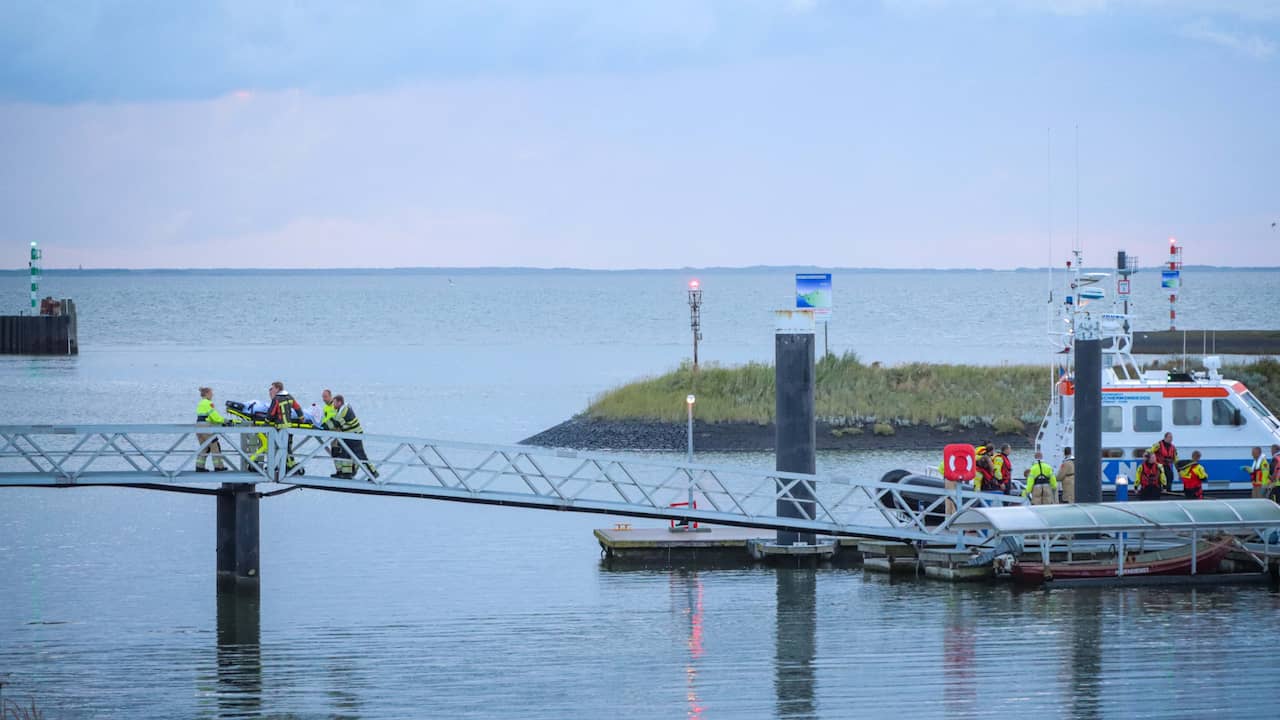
point(40, 334)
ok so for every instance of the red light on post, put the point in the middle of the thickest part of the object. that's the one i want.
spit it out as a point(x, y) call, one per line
point(693, 284)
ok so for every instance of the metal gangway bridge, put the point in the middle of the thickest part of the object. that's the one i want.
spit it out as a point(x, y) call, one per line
point(266, 461)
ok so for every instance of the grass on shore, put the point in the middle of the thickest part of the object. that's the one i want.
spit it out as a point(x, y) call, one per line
point(849, 393)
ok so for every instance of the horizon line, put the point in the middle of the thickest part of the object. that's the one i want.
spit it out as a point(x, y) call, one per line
point(538, 269)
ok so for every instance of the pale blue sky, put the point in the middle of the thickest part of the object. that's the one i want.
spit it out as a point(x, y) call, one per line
point(898, 133)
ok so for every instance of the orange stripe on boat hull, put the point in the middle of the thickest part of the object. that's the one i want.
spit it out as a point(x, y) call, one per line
point(1213, 392)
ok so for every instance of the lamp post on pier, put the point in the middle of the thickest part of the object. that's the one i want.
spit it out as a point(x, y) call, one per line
point(689, 400)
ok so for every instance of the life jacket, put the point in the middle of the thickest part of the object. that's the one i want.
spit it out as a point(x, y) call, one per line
point(987, 479)
point(1191, 478)
point(1258, 471)
point(1151, 474)
point(1006, 469)
point(1165, 452)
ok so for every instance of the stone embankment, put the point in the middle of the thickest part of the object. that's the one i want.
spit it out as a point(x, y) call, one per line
point(583, 433)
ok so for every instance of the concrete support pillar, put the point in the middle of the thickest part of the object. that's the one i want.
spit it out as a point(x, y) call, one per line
point(1088, 409)
point(238, 532)
point(794, 376)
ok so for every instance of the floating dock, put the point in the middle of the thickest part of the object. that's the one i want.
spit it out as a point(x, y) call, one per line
point(727, 547)
point(740, 547)
point(715, 546)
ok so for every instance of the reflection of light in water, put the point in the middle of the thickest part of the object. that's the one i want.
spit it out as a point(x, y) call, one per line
point(693, 610)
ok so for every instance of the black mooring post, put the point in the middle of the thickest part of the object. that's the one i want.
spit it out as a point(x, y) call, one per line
point(238, 532)
point(1088, 415)
point(795, 439)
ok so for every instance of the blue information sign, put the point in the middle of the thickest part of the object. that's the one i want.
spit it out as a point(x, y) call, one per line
point(813, 292)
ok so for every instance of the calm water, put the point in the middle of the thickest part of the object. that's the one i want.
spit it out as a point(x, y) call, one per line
point(379, 607)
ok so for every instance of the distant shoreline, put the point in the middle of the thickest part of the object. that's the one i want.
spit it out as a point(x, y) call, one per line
point(581, 433)
point(518, 270)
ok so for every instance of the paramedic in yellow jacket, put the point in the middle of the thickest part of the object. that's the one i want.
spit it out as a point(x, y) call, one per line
point(1042, 485)
point(207, 414)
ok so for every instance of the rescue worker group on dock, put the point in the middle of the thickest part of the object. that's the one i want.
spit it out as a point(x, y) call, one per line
point(283, 410)
point(1154, 477)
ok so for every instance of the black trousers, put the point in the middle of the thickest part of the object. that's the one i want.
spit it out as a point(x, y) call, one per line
point(356, 448)
point(1149, 492)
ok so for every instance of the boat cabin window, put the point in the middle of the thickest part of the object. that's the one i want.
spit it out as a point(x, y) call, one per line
point(1256, 404)
point(1224, 413)
point(1112, 418)
point(1147, 418)
point(1140, 453)
point(1112, 452)
point(1186, 412)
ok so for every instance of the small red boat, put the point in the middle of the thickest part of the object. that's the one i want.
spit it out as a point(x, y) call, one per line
point(1173, 561)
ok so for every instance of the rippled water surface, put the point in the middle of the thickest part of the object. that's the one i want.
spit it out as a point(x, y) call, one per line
point(390, 608)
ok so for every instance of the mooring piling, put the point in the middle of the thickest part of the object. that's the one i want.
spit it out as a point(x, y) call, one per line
point(238, 532)
point(794, 377)
point(1088, 409)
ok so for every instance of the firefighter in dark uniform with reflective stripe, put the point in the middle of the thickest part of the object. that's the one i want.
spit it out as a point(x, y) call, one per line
point(344, 420)
point(285, 412)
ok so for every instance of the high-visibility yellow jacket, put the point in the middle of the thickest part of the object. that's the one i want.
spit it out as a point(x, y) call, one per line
point(206, 412)
point(1041, 470)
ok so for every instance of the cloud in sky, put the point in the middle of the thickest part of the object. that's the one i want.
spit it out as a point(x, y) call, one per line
point(1253, 10)
point(1245, 44)
point(122, 51)
point(654, 134)
point(152, 49)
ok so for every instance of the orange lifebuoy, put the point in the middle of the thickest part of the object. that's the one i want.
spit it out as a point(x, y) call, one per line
point(958, 463)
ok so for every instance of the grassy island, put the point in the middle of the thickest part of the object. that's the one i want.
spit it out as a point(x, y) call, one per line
point(855, 397)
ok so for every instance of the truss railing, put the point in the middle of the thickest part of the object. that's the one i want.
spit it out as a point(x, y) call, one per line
point(129, 454)
point(518, 476)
